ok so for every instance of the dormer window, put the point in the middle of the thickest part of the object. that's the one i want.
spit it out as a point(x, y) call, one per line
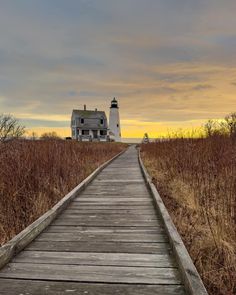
point(82, 120)
point(101, 121)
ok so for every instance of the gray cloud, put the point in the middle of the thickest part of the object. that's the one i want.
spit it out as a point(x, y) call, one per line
point(158, 57)
point(44, 123)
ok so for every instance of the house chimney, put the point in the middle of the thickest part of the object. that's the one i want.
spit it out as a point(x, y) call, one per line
point(85, 107)
point(96, 110)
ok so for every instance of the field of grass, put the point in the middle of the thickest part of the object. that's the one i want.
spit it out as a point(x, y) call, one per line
point(35, 175)
point(197, 180)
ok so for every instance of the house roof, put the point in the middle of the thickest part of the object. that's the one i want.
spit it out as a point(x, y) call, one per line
point(90, 114)
point(91, 119)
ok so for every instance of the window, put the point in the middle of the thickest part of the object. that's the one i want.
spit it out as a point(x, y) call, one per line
point(117, 125)
point(102, 121)
point(82, 120)
point(103, 132)
point(85, 132)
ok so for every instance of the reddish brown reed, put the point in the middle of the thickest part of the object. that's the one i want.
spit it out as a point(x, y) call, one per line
point(35, 175)
point(197, 181)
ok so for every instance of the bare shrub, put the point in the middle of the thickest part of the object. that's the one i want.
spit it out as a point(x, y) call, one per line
point(197, 181)
point(35, 175)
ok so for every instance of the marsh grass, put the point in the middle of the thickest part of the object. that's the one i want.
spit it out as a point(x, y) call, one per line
point(197, 181)
point(35, 175)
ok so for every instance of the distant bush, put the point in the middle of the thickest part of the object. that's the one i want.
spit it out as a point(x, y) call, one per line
point(50, 135)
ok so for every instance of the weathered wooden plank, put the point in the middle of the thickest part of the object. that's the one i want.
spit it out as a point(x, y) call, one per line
point(134, 188)
point(96, 222)
point(117, 192)
point(112, 176)
point(108, 217)
point(116, 184)
point(98, 247)
point(112, 200)
point(124, 167)
point(32, 287)
point(117, 204)
point(106, 230)
point(120, 196)
point(135, 169)
point(89, 211)
point(130, 186)
point(116, 196)
point(115, 259)
point(120, 193)
point(125, 163)
point(130, 168)
point(84, 273)
point(110, 206)
point(103, 237)
point(120, 176)
point(104, 181)
point(127, 182)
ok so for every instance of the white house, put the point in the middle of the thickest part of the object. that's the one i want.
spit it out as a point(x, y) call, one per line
point(89, 125)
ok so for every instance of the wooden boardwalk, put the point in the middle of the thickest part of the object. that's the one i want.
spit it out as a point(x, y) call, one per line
point(110, 240)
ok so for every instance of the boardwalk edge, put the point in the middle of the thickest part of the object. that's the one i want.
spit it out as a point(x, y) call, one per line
point(20, 241)
point(191, 278)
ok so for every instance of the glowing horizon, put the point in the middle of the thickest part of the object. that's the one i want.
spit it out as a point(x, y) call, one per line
point(159, 130)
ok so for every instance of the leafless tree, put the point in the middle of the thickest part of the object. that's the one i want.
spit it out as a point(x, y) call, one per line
point(10, 128)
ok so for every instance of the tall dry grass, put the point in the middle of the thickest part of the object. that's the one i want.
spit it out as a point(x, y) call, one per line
point(197, 181)
point(35, 175)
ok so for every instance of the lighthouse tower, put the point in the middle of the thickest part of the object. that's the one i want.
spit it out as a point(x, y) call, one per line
point(114, 121)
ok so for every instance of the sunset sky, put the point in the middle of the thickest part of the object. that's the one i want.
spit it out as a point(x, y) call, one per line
point(170, 63)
